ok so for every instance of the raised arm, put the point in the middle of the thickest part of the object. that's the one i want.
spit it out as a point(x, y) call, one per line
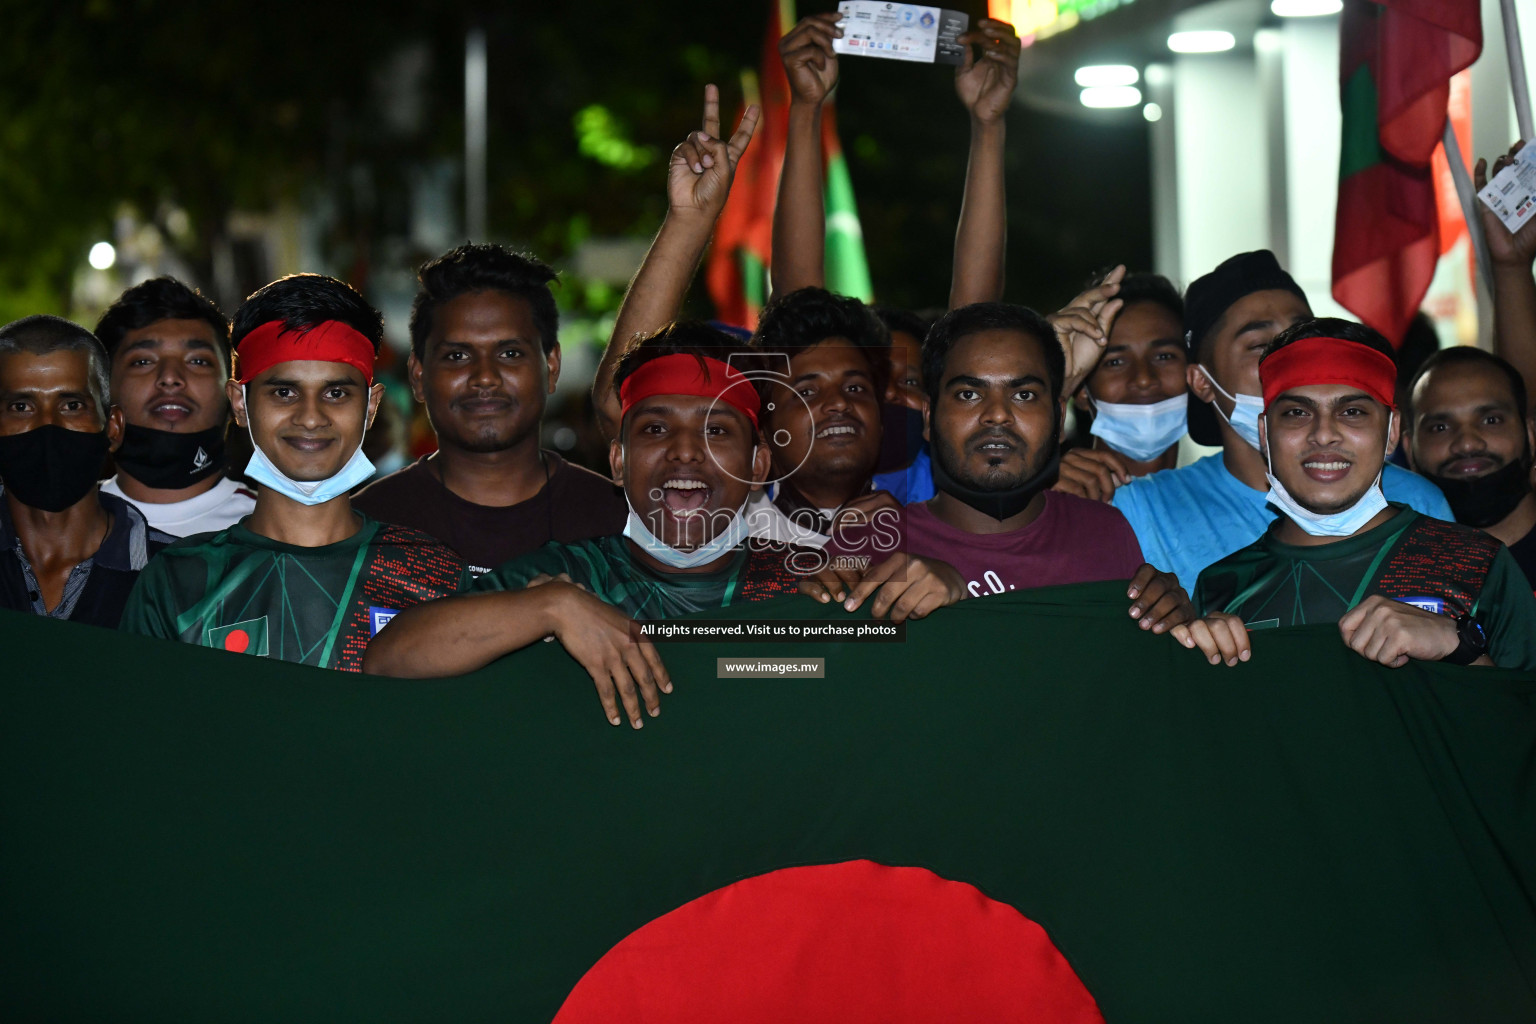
point(1514, 289)
point(799, 214)
point(986, 87)
point(698, 181)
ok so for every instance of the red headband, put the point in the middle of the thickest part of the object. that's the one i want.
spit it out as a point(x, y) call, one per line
point(329, 342)
point(1329, 361)
point(681, 374)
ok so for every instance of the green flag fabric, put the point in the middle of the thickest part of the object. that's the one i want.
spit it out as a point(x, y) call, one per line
point(193, 835)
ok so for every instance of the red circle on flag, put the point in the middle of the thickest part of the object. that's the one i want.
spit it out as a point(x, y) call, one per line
point(850, 942)
point(237, 640)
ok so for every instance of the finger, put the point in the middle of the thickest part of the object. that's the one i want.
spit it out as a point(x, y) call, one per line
point(1200, 632)
point(1350, 621)
point(628, 694)
point(1154, 592)
point(1479, 174)
point(1226, 643)
point(814, 588)
point(1240, 634)
point(1182, 635)
point(897, 596)
point(712, 111)
point(1146, 574)
point(931, 601)
point(608, 696)
point(873, 580)
point(1074, 322)
point(744, 131)
point(658, 667)
point(640, 671)
point(1172, 609)
point(692, 153)
point(1083, 482)
point(1107, 314)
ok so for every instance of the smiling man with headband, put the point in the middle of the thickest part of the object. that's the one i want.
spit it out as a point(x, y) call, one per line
point(688, 456)
point(304, 577)
point(1187, 518)
point(1399, 584)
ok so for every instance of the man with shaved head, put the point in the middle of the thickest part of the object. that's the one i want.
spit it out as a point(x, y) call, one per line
point(67, 550)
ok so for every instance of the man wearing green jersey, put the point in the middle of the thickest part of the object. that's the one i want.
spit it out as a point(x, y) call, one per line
point(304, 577)
point(1400, 585)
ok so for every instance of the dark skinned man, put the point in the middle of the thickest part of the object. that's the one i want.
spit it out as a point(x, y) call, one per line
point(484, 359)
point(1469, 432)
point(1400, 585)
point(995, 375)
point(67, 550)
point(169, 348)
point(304, 577)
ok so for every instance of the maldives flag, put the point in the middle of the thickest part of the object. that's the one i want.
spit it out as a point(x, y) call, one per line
point(737, 270)
point(1396, 61)
point(1028, 810)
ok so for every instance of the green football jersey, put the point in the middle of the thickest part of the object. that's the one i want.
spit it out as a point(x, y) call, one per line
point(239, 591)
point(1440, 567)
point(604, 565)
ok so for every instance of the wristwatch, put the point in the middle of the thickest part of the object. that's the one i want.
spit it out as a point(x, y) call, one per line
point(1472, 641)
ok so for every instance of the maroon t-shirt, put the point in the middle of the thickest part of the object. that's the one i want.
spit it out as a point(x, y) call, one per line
point(1073, 540)
point(575, 505)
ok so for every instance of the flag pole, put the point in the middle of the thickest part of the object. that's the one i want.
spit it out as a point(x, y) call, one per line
point(1469, 202)
point(1517, 82)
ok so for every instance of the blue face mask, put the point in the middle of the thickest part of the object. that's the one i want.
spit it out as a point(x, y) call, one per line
point(1246, 410)
point(636, 530)
point(306, 492)
point(1141, 432)
point(1336, 524)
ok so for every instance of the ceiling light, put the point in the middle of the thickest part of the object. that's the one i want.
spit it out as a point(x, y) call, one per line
point(1106, 74)
point(1305, 8)
point(1201, 42)
point(1103, 97)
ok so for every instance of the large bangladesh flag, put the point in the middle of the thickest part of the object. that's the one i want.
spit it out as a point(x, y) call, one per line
point(1396, 59)
point(1026, 811)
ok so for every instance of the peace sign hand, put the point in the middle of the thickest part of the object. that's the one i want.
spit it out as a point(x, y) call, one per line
point(702, 166)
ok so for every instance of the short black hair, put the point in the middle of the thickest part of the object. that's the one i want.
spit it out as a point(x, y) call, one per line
point(484, 268)
point(160, 298)
point(804, 318)
point(989, 316)
point(1330, 327)
point(44, 333)
point(686, 337)
point(1154, 288)
point(303, 302)
point(1465, 355)
point(903, 320)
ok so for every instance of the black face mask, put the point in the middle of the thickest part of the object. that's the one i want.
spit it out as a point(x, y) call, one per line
point(168, 461)
point(1484, 500)
point(999, 505)
point(52, 468)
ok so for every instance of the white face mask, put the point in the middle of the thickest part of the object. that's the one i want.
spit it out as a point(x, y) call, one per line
point(1336, 524)
point(1141, 432)
point(1246, 410)
point(305, 492)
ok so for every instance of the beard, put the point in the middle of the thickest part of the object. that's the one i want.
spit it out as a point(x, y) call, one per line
point(993, 478)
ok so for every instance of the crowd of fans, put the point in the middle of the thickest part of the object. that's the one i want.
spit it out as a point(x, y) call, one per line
point(852, 454)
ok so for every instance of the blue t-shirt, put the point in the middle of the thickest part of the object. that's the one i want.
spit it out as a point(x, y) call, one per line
point(915, 483)
point(1186, 519)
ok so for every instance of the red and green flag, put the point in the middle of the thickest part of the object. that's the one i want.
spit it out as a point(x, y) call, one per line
point(1026, 810)
point(737, 269)
point(1396, 61)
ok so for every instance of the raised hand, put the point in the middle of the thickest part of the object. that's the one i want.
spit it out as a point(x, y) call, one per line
point(809, 60)
point(1517, 249)
point(702, 166)
point(986, 85)
point(1083, 325)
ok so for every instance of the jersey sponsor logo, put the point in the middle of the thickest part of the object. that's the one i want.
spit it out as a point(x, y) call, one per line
point(378, 617)
point(248, 637)
point(1433, 605)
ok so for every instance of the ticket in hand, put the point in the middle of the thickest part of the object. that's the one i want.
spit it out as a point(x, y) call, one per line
point(872, 28)
point(1512, 192)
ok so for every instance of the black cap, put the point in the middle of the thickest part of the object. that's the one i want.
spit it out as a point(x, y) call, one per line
point(1207, 299)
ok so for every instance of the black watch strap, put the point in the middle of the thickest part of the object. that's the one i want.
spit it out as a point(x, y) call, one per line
point(1473, 641)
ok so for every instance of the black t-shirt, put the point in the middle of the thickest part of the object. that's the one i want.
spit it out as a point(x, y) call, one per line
point(1524, 552)
point(576, 504)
